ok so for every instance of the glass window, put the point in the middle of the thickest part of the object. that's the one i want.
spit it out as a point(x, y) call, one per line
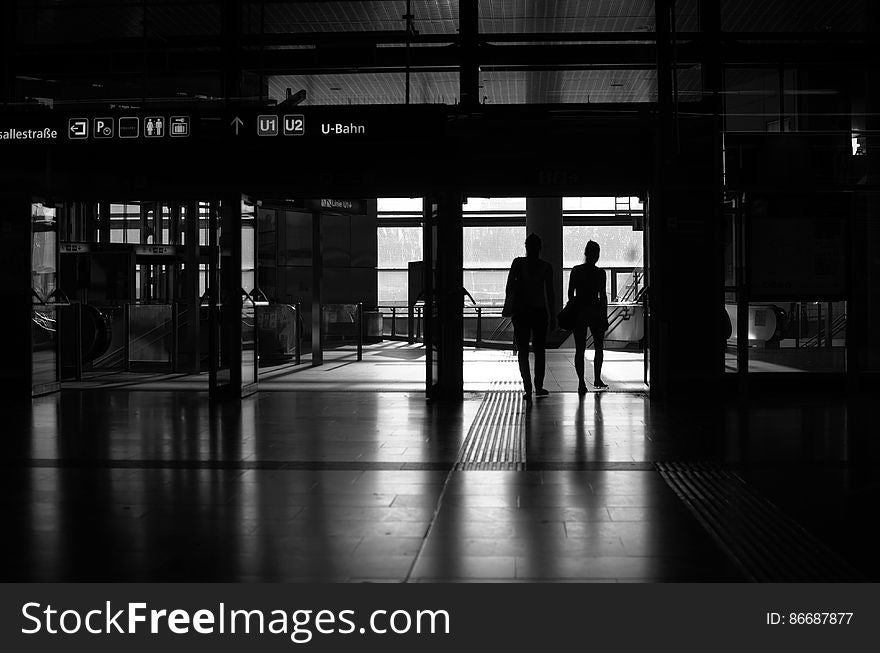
point(492, 247)
point(792, 336)
point(399, 204)
point(486, 286)
point(620, 246)
point(397, 246)
point(481, 204)
point(393, 288)
point(588, 203)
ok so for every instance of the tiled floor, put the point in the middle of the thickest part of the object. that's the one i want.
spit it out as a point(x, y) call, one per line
point(341, 486)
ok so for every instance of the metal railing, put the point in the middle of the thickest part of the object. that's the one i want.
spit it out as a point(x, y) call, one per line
point(350, 326)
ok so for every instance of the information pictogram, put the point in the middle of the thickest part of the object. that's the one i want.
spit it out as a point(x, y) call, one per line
point(267, 125)
point(129, 127)
point(154, 126)
point(294, 124)
point(178, 126)
point(103, 127)
point(78, 128)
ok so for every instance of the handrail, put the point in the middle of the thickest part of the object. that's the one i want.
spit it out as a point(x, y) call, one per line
point(837, 325)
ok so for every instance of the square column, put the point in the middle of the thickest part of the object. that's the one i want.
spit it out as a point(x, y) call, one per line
point(544, 218)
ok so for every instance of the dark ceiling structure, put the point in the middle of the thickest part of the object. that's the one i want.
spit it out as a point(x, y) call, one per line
point(399, 51)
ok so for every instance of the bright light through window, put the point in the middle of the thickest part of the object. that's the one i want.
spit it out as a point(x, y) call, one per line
point(399, 204)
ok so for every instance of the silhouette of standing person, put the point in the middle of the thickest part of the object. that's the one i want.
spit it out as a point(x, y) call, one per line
point(586, 286)
point(528, 296)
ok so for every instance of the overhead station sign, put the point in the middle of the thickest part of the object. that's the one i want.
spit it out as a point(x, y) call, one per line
point(16, 134)
point(294, 124)
point(265, 125)
point(339, 206)
point(128, 127)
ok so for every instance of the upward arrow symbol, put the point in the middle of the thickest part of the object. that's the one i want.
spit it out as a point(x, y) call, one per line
point(236, 122)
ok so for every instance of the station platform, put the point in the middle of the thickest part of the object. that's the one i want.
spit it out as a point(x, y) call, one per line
point(130, 485)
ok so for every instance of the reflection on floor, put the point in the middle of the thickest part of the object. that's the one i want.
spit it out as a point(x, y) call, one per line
point(340, 486)
point(394, 366)
point(790, 359)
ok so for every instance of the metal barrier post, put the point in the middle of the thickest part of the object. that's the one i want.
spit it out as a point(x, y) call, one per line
point(479, 324)
point(393, 321)
point(297, 334)
point(77, 358)
point(175, 323)
point(829, 335)
point(126, 337)
point(418, 322)
point(360, 331)
point(818, 324)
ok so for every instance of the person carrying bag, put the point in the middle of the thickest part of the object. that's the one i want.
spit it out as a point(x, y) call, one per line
point(587, 308)
point(528, 295)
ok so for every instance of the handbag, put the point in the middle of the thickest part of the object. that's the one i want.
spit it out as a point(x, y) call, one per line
point(567, 317)
point(510, 291)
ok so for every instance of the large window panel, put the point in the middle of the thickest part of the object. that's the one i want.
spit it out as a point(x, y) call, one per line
point(492, 247)
point(485, 286)
point(488, 252)
point(621, 247)
point(393, 287)
point(398, 246)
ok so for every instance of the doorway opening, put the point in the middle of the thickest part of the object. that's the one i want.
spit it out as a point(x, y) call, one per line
point(373, 310)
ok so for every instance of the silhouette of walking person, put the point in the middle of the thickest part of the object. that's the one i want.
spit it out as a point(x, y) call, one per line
point(528, 296)
point(586, 286)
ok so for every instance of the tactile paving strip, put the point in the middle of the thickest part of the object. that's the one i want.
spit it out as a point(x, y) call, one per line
point(496, 439)
point(766, 544)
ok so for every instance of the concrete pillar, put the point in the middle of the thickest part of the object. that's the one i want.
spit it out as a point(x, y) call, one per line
point(15, 296)
point(544, 218)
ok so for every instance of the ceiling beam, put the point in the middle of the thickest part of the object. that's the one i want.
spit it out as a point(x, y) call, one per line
point(92, 62)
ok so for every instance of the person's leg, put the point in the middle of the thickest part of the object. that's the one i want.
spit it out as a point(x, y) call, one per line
point(580, 347)
point(599, 358)
point(539, 340)
point(521, 338)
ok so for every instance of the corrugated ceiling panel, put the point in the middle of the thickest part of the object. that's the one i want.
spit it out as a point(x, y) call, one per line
point(430, 17)
point(568, 86)
point(793, 15)
point(497, 87)
point(516, 16)
point(66, 23)
point(368, 88)
point(75, 21)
